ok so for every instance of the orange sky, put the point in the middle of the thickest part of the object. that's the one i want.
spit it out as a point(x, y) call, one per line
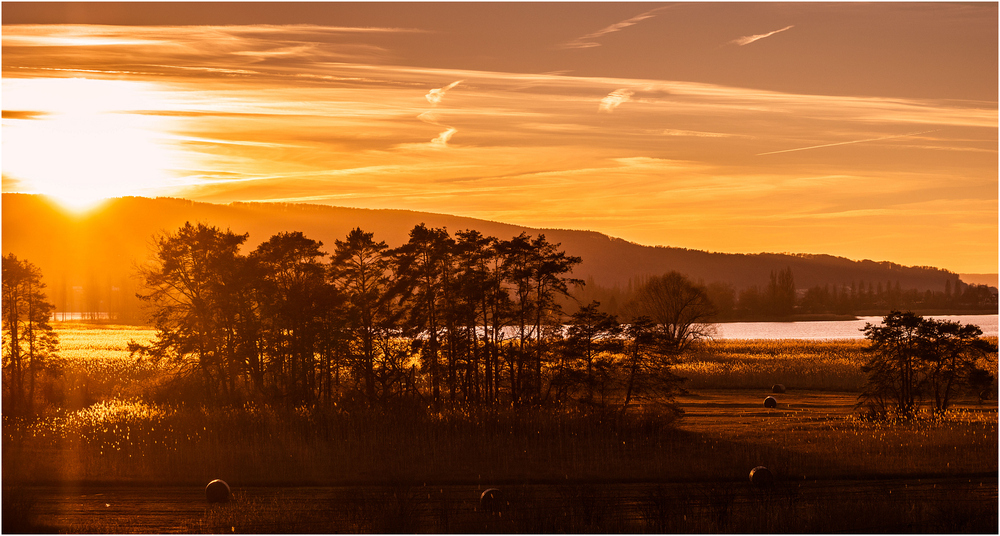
point(860, 130)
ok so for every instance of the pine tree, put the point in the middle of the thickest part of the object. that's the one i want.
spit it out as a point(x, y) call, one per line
point(29, 342)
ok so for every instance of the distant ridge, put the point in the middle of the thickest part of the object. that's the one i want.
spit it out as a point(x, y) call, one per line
point(981, 279)
point(104, 244)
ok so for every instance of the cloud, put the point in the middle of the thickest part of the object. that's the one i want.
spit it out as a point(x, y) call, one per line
point(440, 142)
point(746, 40)
point(20, 114)
point(442, 139)
point(615, 99)
point(434, 96)
point(586, 41)
point(695, 133)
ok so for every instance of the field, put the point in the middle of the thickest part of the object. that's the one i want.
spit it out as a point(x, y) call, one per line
point(127, 464)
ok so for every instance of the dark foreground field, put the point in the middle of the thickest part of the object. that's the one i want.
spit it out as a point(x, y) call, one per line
point(834, 473)
point(938, 505)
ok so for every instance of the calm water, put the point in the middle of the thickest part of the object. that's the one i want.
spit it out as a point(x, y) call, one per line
point(839, 329)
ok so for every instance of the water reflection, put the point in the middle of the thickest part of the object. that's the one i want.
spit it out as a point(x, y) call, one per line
point(838, 329)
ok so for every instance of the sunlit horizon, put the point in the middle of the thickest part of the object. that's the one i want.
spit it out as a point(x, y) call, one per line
point(579, 126)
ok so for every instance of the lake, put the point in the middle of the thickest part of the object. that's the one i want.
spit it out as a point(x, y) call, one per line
point(836, 329)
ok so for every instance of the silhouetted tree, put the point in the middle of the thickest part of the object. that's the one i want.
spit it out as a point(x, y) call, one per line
point(423, 264)
point(293, 294)
point(950, 353)
point(549, 273)
point(29, 343)
point(646, 368)
point(482, 266)
point(190, 283)
point(517, 269)
point(361, 271)
point(590, 332)
point(911, 355)
point(893, 368)
point(781, 293)
point(723, 299)
point(680, 310)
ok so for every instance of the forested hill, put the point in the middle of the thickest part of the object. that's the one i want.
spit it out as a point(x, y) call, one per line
point(99, 248)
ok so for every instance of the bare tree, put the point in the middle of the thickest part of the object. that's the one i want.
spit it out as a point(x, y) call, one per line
point(679, 309)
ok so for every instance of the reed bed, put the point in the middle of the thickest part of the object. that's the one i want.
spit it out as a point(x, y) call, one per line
point(132, 441)
point(827, 365)
point(121, 435)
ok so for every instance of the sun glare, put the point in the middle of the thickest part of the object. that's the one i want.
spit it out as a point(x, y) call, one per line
point(82, 140)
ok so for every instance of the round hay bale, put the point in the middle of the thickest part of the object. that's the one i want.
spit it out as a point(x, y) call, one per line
point(491, 501)
point(761, 477)
point(217, 491)
point(778, 388)
point(770, 402)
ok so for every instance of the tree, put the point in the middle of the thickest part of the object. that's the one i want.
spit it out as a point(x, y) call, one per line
point(29, 342)
point(950, 354)
point(360, 270)
point(678, 308)
point(912, 356)
point(781, 293)
point(423, 264)
point(590, 330)
point(549, 269)
point(723, 299)
point(293, 296)
point(537, 272)
point(892, 369)
point(482, 278)
point(192, 282)
point(649, 356)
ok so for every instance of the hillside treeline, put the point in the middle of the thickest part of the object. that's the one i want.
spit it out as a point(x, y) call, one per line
point(466, 318)
point(781, 299)
point(88, 259)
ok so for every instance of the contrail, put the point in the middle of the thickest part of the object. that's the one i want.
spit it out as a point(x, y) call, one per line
point(746, 40)
point(850, 142)
point(583, 42)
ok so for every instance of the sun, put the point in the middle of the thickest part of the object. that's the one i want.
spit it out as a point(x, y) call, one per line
point(79, 141)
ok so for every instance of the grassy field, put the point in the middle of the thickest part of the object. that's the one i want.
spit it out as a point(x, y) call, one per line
point(121, 464)
point(830, 365)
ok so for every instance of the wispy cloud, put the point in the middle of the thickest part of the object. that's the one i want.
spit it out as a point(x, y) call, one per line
point(747, 39)
point(587, 41)
point(442, 139)
point(695, 133)
point(434, 96)
point(293, 121)
point(440, 142)
point(848, 142)
point(615, 99)
point(23, 114)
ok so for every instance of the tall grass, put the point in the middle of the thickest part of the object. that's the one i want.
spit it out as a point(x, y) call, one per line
point(125, 437)
point(94, 365)
point(829, 365)
point(121, 441)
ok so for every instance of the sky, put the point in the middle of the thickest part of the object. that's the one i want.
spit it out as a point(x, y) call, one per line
point(867, 131)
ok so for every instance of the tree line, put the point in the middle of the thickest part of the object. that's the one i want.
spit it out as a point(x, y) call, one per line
point(781, 299)
point(467, 318)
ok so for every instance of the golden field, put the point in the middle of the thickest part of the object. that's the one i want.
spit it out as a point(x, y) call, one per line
point(593, 470)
